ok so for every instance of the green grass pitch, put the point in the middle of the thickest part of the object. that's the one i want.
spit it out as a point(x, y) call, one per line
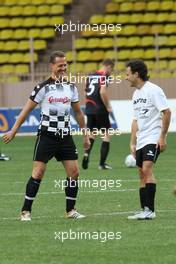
point(34, 242)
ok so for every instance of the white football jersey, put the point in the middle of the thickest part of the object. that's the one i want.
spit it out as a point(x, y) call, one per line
point(55, 101)
point(148, 104)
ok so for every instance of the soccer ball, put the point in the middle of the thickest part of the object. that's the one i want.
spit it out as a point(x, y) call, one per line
point(130, 161)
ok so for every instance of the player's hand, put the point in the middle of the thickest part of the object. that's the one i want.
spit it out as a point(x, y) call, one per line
point(161, 144)
point(8, 137)
point(86, 142)
point(133, 150)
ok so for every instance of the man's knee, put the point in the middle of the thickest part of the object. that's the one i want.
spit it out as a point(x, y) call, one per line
point(38, 171)
point(74, 173)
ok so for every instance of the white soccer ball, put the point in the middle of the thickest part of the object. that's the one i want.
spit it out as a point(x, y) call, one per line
point(130, 161)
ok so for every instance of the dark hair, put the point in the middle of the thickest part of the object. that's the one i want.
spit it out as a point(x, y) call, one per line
point(140, 67)
point(108, 62)
point(56, 54)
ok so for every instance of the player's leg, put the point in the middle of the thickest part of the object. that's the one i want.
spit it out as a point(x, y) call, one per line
point(43, 152)
point(91, 124)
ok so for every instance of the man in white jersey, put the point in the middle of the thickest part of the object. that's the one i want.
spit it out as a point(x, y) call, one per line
point(148, 132)
point(54, 139)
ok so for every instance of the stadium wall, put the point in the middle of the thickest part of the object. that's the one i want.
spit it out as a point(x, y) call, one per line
point(15, 95)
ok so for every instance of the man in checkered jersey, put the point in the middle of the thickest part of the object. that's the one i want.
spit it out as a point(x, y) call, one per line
point(55, 98)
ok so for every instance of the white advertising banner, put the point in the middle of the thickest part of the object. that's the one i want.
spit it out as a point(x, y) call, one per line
point(123, 113)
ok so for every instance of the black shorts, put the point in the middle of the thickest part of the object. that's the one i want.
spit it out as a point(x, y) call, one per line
point(47, 147)
point(148, 152)
point(98, 121)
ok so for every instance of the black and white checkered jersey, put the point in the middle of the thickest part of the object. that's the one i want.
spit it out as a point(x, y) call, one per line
point(55, 100)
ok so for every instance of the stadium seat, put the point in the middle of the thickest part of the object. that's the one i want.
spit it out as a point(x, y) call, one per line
point(42, 21)
point(133, 42)
point(164, 74)
point(150, 64)
point(97, 55)
point(34, 33)
point(12, 79)
point(123, 54)
point(150, 54)
point(112, 8)
point(56, 10)
point(4, 58)
point(143, 29)
point(6, 69)
point(80, 43)
point(76, 68)
point(171, 41)
point(27, 57)
point(29, 22)
point(16, 11)
point(4, 11)
point(162, 65)
point(6, 34)
point(153, 6)
point(162, 40)
point(16, 22)
point(162, 17)
point(84, 56)
point(126, 7)
point(147, 41)
point(96, 19)
point(149, 17)
point(157, 29)
point(123, 18)
point(29, 10)
point(10, 2)
point(38, 2)
point(10, 45)
point(47, 33)
point(121, 42)
point(88, 33)
point(56, 20)
point(166, 5)
point(139, 6)
point(4, 22)
point(110, 19)
point(23, 45)
point(93, 43)
point(173, 53)
point(20, 34)
point(43, 10)
point(69, 56)
point(137, 54)
point(65, 2)
point(16, 58)
point(136, 18)
point(90, 67)
point(21, 69)
point(120, 66)
point(172, 65)
point(39, 44)
point(170, 29)
point(172, 17)
point(23, 2)
point(2, 44)
point(106, 43)
point(129, 30)
point(111, 54)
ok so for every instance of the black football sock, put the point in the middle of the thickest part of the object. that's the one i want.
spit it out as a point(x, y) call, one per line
point(150, 189)
point(71, 191)
point(142, 196)
point(104, 152)
point(90, 148)
point(31, 191)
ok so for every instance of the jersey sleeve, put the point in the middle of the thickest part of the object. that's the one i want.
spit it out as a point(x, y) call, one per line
point(74, 98)
point(159, 99)
point(37, 94)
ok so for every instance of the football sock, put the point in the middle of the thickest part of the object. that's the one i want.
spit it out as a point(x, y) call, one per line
point(31, 191)
point(104, 152)
point(142, 196)
point(71, 191)
point(150, 195)
point(90, 148)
